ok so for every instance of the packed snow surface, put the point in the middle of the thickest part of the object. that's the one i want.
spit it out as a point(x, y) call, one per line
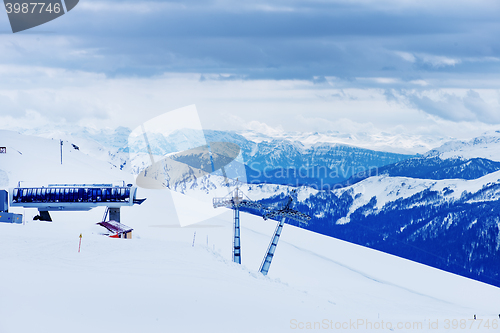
point(160, 282)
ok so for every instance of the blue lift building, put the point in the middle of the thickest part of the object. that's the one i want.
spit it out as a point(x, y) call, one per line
point(74, 197)
point(5, 216)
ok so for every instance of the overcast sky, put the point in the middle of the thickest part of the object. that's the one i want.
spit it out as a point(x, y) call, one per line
point(402, 66)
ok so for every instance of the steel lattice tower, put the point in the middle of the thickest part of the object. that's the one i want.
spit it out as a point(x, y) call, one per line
point(285, 212)
point(234, 200)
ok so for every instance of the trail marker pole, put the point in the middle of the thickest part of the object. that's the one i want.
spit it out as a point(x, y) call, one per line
point(80, 244)
point(194, 236)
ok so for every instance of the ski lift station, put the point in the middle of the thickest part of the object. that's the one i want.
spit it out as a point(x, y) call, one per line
point(5, 216)
point(74, 197)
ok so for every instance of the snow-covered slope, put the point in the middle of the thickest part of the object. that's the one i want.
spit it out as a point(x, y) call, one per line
point(485, 146)
point(390, 189)
point(160, 282)
point(38, 160)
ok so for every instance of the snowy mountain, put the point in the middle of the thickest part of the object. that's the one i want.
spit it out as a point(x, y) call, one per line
point(440, 209)
point(485, 146)
point(267, 161)
point(401, 143)
point(432, 167)
point(450, 224)
point(281, 153)
point(173, 279)
point(292, 163)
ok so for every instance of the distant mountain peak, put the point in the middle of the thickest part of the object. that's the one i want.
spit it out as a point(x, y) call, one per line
point(484, 146)
point(400, 143)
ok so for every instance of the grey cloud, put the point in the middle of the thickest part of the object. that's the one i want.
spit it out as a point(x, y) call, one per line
point(484, 112)
point(272, 39)
point(390, 96)
point(342, 95)
point(471, 107)
point(265, 40)
point(52, 105)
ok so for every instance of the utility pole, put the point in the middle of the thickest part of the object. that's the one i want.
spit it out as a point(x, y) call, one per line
point(61, 149)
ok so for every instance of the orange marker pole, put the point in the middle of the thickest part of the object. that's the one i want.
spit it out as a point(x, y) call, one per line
point(80, 244)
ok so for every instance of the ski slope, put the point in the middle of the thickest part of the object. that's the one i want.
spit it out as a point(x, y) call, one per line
point(159, 282)
point(35, 160)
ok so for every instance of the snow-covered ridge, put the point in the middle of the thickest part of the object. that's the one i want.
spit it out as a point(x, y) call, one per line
point(113, 146)
point(111, 140)
point(32, 159)
point(485, 146)
point(389, 189)
point(395, 143)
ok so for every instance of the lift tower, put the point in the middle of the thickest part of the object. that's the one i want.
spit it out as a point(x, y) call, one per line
point(234, 200)
point(285, 212)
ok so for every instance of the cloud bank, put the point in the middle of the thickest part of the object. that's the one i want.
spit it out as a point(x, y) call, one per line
point(289, 65)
